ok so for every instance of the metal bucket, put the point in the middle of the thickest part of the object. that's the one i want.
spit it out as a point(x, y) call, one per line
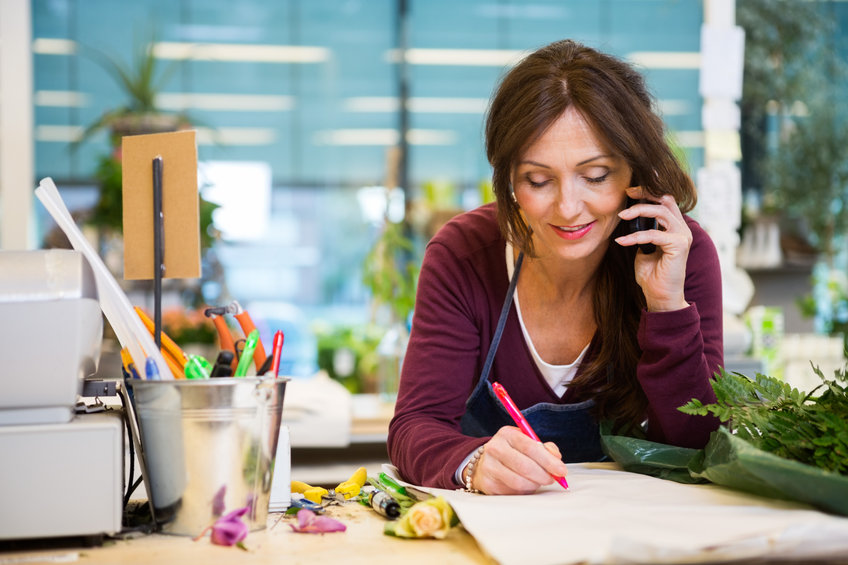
point(208, 448)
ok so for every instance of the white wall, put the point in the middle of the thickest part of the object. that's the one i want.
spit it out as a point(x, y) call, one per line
point(16, 126)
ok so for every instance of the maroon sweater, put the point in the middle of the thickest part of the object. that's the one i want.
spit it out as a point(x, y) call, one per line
point(461, 290)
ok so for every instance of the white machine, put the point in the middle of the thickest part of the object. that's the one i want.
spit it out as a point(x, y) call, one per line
point(61, 473)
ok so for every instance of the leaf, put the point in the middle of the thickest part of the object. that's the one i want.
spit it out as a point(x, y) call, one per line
point(775, 417)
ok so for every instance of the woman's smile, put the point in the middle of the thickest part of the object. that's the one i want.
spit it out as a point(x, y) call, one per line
point(573, 232)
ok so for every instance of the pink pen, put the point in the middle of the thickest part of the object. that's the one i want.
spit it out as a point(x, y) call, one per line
point(522, 424)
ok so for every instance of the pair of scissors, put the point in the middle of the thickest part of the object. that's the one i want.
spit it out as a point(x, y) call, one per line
point(217, 314)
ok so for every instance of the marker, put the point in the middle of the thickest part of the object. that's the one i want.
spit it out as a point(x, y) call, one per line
point(383, 503)
point(247, 354)
point(279, 337)
point(223, 364)
point(522, 424)
point(197, 367)
point(129, 366)
point(266, 366)
point(151, 370)
point(392, 485)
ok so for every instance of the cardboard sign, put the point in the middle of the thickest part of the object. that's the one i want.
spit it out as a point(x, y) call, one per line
point(180, 204)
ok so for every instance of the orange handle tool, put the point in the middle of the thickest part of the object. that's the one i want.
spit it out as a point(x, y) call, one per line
point(247, 326)
point(225, 338)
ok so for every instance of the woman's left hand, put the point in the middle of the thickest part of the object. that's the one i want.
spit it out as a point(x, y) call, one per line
point(662, 273)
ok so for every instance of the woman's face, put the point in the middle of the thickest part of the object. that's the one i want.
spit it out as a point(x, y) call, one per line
point(570, 189)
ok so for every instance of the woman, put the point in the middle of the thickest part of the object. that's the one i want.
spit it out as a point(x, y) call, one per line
point(594, 329)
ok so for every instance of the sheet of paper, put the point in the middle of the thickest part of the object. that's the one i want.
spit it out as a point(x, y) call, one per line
point(611, 516)
point(179, 204)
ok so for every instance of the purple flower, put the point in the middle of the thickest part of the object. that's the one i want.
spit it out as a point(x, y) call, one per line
point(310, 523)
point(229, 529)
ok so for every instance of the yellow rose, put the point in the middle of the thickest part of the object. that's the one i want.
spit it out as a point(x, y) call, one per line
point(431, 518)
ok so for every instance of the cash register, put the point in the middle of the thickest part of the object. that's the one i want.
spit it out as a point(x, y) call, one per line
point(61, 468)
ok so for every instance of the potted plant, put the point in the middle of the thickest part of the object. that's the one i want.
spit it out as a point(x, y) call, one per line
point(140, 82)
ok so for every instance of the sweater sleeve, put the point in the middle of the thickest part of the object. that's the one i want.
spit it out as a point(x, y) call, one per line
point(682, 350)
point(439, 370)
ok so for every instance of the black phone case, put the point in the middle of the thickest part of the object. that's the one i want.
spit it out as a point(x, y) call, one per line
point(641, 224)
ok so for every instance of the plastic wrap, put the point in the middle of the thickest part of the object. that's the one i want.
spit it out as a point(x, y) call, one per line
point(731, 462)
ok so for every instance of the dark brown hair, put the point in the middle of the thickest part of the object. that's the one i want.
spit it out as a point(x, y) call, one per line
point(612, 97)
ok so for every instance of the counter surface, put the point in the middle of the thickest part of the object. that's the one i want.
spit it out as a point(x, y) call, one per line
point(363, 542)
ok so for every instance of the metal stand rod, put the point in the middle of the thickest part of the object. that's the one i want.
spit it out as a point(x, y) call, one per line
point(158, 250)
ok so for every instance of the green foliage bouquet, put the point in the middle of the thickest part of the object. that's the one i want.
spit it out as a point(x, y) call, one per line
point(777, 418)
point(777, 442)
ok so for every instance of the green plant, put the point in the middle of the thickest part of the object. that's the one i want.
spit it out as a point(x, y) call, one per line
point(390, 272)
point(779, 38)
point(795, 142)
point(108, 211)
point(780, 419)
point(140, 81)
point(808, 176)
point(349, 354)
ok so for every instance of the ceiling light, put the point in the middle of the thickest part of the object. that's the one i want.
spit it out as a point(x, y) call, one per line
point(241, 52)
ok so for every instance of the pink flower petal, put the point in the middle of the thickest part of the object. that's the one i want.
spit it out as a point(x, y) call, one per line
point(229, 529)
point(309, 523)
point(228, 533)
point(327, 524)
point(305, 517)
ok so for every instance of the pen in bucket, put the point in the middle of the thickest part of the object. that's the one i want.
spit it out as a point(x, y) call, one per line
point(522, 424)
point(151, 370)
point(197, 367)
point(223, 364)
point(128, 364)
point(247, 355)
point(277, 351)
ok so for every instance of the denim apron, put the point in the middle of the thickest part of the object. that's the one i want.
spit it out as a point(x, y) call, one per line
point(572, 427)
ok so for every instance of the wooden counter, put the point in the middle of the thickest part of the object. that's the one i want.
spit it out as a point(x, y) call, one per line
point(363, 542)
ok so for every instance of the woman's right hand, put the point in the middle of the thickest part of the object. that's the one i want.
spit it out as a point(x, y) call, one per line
point(512, 463)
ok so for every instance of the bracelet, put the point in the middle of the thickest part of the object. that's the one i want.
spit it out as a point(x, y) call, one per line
point(470, 469)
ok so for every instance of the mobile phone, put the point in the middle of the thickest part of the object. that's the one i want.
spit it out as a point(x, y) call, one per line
point(640, 223)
